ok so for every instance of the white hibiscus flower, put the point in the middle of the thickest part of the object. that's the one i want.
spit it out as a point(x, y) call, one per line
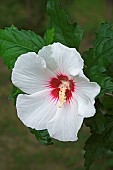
point(59, 96)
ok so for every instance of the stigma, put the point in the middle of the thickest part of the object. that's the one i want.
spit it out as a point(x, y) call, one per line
point(62, 92)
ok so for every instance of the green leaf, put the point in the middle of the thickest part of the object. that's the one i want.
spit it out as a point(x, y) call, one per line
point(108, 134)
point(14, 93)
point(13, 43)
point(65, 33)
point(94, 150)
point(98, 145)
point(103, 46)
point(107, 101)
point(99, 59)
point(96, 123)
point(109, 71)
point(49, 36)
point(42, 136)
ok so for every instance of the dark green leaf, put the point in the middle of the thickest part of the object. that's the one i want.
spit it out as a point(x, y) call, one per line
point(42, 136)
point(99, 59)
point(14, 93)
point(14, 43)
point(109, 71)
point(98, 144)
point(94, 150)
point(49, 36)
point(108, 134)
point(65, 33)
point(96, 123)
point(107, 101)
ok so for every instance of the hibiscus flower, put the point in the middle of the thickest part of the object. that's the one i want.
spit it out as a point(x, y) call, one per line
point(58, 95)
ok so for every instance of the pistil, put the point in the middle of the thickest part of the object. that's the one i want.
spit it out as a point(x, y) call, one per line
point(62, 92)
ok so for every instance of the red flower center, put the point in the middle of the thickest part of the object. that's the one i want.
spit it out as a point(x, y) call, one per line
point(62, 88)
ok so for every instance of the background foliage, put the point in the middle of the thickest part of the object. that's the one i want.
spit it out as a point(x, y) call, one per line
point(29, 15)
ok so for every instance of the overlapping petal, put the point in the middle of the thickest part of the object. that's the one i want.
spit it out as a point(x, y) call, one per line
point(85, 105)
point(30, 73)
point(36, 110)
point(84, 86)
point(85, 94)
point(61, 58)
point(66, 123)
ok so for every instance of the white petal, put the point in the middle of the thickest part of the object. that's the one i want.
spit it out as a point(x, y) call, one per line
point(68, 60)
point(85, 93)
point(46, 53)
point(36, 110)
point(66, 123)
point(85, 105)
point(84, 86)
point(81, 74)
point(30, 73)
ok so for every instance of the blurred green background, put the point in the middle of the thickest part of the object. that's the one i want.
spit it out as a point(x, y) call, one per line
point(19, 150)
